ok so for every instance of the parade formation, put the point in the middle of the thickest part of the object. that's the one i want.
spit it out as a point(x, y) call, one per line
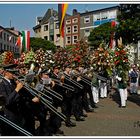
point(43, 87)
point(52, 87)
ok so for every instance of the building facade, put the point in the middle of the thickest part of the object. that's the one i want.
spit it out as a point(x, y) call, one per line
point(47, 27)
point(92, 19)
point(72, 29)
point(77, 26)
point(8, 38)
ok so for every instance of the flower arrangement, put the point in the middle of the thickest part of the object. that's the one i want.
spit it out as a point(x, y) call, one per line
point(7, 57)
point(29, 56)
point(61, 57)
point(40, 57)
point(102, 58)
point(22, 58)
point(78, 54)
point(121, 57)
point(49, 59)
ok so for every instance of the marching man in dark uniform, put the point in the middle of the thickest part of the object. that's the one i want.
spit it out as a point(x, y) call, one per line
point(66, 103)
point(10, 92)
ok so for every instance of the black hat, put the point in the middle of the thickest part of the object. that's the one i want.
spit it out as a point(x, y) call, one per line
point(56, 66)
point(67, 66)
point(10, 68)
point(46, 71)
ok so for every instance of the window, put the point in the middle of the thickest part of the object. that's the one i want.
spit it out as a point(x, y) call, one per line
point(4, 36)
point(0, 46)
point(75, 39)
point(68, 30)
point(75, 28)
point(45, 27)
point(13, 48)
point(96, 17)
point(13, 40)
point(0, 34)
point(75, 20)
point(68, 40)
point(57, 25)
point(68, 21)
point(4, 47)
point(51, 26)
point(51, 37)
point(16, 49)
point(7, 38)
point(57, 37)
point(46, 37)
point(87, 19)
point(104, 15)
point(7, 47)
point(87, 32)
point(10, 48)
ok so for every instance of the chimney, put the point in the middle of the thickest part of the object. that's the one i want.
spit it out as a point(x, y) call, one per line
point(51, 12)
point(75, 12)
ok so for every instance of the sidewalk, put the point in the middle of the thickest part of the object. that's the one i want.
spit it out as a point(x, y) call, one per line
point(109, 119)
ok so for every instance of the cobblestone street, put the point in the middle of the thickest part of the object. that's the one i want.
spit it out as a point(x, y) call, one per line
point(109, 119)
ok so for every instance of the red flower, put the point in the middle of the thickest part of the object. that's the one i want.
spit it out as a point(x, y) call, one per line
point(117, 53)
point(116, 62)
point(123, 51)
point(77, 49)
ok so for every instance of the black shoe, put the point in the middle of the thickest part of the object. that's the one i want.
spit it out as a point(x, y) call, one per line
point(123, 106)
point(95, 106)
point(90, 110)
point(59, 132)
point(84, 115)
point(80, 119)
point(70, 124)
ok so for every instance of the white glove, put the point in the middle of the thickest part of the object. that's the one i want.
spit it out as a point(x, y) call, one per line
point(118, 78)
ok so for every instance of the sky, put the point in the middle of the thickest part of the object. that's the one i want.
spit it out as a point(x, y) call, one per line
point(23, 16)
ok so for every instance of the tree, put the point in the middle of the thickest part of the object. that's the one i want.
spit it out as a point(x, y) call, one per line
point(129, 23)
point(100, 34)
point(37, 43)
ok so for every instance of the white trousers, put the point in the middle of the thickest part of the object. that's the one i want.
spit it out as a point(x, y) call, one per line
point(123, 96)
point(133, 87)
point(103, 92)
point(95, 94)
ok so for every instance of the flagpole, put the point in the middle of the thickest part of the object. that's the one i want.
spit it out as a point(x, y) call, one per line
point(64, 43)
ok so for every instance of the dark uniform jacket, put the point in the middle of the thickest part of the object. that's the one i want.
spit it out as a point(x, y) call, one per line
point(11, 98)
point(11, 106)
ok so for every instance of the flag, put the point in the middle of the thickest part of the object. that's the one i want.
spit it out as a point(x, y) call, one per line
point(26, 41)
point(62, 8)
point(10, 38)
point(112, 41)
point(19, 42)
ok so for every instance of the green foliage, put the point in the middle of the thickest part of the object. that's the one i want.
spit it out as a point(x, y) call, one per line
point(129, 23)
point(70, 47)
point(37, 43)
point(29, 57)
point(100, 34)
